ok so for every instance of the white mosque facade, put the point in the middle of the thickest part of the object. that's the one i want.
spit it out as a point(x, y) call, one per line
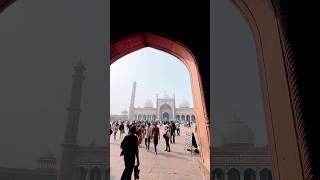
point(164, 109)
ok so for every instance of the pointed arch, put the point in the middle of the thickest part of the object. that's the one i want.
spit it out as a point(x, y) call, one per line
point(137, 41)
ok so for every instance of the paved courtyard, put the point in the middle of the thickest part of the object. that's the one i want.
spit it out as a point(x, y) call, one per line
point(178, 164)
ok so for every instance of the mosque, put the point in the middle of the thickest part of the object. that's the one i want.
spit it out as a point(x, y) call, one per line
point(236, 157)
point(165, 109)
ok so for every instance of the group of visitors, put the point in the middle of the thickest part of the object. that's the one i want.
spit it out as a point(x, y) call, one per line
point(137, 132)
point(115, 127)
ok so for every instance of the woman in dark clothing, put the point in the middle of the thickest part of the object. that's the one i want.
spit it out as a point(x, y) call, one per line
point(166, 137)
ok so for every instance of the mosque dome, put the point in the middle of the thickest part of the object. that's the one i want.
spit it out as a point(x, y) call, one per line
point(48, 154)
point(148, 103)
point(184, 103)
point(124, 112)
point(237, 133)
point(92, 144)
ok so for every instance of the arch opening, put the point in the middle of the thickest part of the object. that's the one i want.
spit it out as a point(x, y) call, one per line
point(138, 41)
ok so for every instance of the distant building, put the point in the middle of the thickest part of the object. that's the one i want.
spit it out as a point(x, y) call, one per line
point(237, 158)
point(46, 170)
point(119, 117)
point(164, 110)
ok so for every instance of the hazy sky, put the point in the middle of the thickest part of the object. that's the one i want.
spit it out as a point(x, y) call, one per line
point(40, 42)
point(155, 72)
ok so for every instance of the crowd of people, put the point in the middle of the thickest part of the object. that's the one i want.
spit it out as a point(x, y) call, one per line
point(137, 133)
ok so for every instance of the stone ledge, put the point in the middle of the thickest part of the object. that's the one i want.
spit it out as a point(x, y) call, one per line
point(204, 170)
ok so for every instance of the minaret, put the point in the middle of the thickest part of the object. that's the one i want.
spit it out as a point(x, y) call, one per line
point(131, 108)
point(236, 115)
point(157, 108)
point(69, 144)
point(174, 107)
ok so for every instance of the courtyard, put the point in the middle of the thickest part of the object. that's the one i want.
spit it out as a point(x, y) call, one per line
point(179, 164)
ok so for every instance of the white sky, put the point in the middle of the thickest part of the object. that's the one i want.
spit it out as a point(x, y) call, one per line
point(155, 72)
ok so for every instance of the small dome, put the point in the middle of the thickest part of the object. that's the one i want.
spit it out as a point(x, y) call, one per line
point(237, 132)
point(184, 103)
point(148, 103)
point(48, 154)
point(92, 144)
point(124, 112)
point(165, 95)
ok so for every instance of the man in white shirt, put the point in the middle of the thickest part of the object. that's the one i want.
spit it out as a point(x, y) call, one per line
point(178, 128)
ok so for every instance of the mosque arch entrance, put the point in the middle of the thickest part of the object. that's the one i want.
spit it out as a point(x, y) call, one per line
point(165, 116)
point(138, 41)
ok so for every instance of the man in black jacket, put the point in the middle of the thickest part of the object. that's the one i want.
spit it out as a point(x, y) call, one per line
point(130, 151)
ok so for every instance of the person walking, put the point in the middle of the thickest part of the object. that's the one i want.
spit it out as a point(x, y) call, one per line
point(172, 132)
point(149, 135)
point(166, 137)
point(178, 128)
point(115, 130)
point(145, 136)
point(156, 136)
point(130, 152)
point(121, 129)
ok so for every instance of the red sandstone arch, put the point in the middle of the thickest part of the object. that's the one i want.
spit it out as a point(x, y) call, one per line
point(137, 41)
point(281, 101)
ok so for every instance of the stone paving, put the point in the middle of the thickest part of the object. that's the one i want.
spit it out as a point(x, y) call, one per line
point(179, 164)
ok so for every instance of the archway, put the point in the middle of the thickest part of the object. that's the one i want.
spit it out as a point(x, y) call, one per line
point(95, 174)
point(217, 174)
point(165, 116)
point(83, 173)
point(279, 89)
point(166, 112)
point(249, 174)
point(137, 41)
point(233, 174)
point(265, 174)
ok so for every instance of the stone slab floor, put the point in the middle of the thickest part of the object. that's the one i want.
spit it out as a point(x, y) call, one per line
point(178, 164)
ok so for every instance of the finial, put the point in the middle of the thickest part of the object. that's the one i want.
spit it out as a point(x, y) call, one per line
point(79, 63)
point(79, 66)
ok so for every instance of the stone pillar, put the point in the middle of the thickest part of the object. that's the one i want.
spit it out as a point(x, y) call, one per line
point(257, 175)
point(241, 175)
point(225, 176)
point(103, 174)
point(88, 174)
